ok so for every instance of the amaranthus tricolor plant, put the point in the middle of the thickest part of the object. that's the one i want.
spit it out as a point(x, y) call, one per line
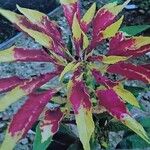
point(81, 60)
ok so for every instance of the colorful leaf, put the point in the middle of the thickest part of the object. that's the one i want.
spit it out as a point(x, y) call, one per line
point(70, 7)
point(77, 35)
point(113, 59)
point(130, 71)
point(36, 32)
point(7, 84)
point(24, 89)
point(24, 119)
point(135, 46)
point(23, 54)
point(104, 18)
point(47, 127)
point(110, 100)
point(38, 145)
point(81, 105)
point(111, 30)
point(68, 68)
point(42, 21)
point(88, 17)
point(102, 79)
point(126, 95)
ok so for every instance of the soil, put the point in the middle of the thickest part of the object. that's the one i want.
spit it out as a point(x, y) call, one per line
point(26, 70)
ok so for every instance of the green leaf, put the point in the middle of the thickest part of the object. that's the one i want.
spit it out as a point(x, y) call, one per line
point(38, 145)
point(134, 30)
point(135, 90)
point(145, 122)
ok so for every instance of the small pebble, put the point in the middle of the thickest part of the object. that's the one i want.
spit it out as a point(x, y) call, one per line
point(142, 11)
point(131, 7)
point(24, 141)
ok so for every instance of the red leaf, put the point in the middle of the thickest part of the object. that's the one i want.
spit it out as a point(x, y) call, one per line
point(24, 119)
point(49, 29)
point(146, 66)
point(122, 46)
point(37, 82)
point(95, 58)
point(79, 96)
point(52, 119)
point(23, 54)
point(7, 84)
point(102, 79)
point(70, 8)
point(110, 100)
point(130, 71)
point(102, 20)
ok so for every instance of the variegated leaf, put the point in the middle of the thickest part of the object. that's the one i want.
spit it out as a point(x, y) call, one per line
point(126, 95)
point(24, 54)
point(134, 46)
point(24, 89)
point(34, 31)
point(104, 18)
point(70, 7)
point(88, 17)
point(81, 105)
point(24, 119)
point(110, 100)
point(42, 21)
point(66, 69)
point(130, 71)
point(7, 84)
point(47, 127)
point(102, 79)
point(77, 35)
point(111, 30)
point(113, 59)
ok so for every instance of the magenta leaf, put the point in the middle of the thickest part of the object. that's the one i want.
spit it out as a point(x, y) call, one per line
point(130, 71)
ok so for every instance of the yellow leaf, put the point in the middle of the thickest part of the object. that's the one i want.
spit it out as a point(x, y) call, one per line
point(70, 67)
point(85, 125)
point(87, 18)
point(11, 97)
point(126, 95)
point(9, 142)
point(114, 8)
point(33, 15)
point(39, 37)
point(141, 41)
point(59, 59)
point(66, 69)
point(76, 30)
point(113, 59)
point(85, 40)
point(66, 2)
point(7, 55)
point(135, 126)
point(111, 30)
point(109, 5)
point(11, 16)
